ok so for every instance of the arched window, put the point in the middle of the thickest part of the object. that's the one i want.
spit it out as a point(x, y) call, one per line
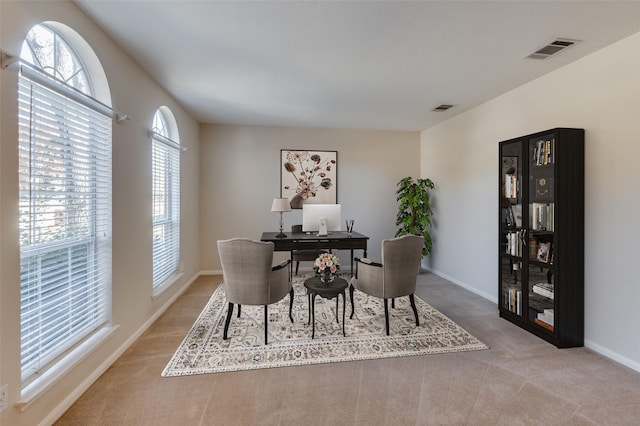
point(64, 199)
point(165, 166)
point(49, 51)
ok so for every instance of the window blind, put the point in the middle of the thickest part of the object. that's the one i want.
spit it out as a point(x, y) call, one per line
point(64, 222)
point(166, 208)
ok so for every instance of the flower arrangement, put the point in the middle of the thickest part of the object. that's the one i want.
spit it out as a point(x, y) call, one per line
point(326, 266)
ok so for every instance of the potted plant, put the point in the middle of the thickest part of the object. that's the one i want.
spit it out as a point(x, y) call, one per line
point(414, 212)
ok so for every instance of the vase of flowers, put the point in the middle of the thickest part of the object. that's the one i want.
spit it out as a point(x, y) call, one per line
point(326, 266)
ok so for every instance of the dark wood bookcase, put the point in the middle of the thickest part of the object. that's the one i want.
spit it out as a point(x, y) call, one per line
point(541, 241)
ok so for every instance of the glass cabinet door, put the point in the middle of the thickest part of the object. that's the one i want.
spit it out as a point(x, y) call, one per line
point(541, 227)
point(512, 231)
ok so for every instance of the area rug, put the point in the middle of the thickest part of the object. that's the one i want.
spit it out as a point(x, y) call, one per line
point(204, 351)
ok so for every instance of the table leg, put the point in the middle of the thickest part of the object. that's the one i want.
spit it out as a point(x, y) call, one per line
point(351, 297)
point(291, 265)
point(344, 304)
point(337, 318)
point(352, 262)
point(309, 305)
point(313, 314)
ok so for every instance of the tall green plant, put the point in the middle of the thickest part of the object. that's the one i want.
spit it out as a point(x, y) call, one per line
point(414, 212)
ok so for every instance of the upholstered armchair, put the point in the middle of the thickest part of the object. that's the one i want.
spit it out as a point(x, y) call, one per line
point(250, 279)
point(304, 255)
point(394, 277)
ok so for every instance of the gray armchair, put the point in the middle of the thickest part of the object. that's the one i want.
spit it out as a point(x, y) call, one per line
point(249, 278)
point(394, 277)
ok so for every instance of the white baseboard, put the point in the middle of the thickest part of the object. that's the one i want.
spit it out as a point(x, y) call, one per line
point(487, 296)
point(634, 365)
point(607, 353)
point(215, 272)
point(74, 395)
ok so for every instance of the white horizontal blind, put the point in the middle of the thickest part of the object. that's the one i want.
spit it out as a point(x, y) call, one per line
point(166, 208)
point(65, 223)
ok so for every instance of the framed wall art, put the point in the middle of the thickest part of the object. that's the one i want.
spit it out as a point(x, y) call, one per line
point(308, 177)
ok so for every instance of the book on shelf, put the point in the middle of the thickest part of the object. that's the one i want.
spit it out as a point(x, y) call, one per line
point(543, 289)
point(513, 300)
point(542, 317)
point(512, 246)
point(543, 324)
point(510, 186)
point(533, 247)
point(543, 152)
point(515, 241)
point(542, 216)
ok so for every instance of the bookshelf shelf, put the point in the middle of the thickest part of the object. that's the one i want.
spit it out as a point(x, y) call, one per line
point(541, 241)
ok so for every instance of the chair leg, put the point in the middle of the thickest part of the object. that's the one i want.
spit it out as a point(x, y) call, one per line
point(297, 265)
point(266, 323)
point(386, 315)
point(291, 305)
point(393, 303)
point(351, 297)
point(239, 309)
point(226, 323)
point(415, 310)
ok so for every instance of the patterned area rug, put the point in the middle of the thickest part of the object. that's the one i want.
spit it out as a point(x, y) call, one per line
point(204, 351)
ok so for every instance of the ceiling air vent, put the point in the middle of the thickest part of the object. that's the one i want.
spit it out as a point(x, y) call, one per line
point(442, 107)
point(552, 48)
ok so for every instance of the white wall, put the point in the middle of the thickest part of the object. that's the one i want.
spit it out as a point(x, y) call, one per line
point(134, 93)
point(240, 176)
point(600, 93)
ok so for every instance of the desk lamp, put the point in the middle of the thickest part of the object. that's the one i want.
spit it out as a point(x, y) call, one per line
point(281, 205)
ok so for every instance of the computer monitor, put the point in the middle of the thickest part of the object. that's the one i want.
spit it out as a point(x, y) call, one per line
point(311, 214)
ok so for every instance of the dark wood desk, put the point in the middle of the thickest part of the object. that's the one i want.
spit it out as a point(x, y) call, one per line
point(337, 240)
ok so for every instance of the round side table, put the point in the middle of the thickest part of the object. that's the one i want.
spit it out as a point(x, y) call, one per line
point(315, 287)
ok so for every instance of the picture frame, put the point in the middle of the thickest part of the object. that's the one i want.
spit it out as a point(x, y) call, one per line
point(308, 177)
point(543, 188)
point(509, 165)
point(544, 251)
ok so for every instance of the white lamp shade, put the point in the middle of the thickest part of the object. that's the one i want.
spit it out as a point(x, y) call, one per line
point(280, 205)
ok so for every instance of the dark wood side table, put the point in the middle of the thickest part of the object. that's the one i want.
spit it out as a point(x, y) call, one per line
point(315, 287)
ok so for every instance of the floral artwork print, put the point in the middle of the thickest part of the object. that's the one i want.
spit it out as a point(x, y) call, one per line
point(308, 177)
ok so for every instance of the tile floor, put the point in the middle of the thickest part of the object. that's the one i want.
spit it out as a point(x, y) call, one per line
point(521, 380)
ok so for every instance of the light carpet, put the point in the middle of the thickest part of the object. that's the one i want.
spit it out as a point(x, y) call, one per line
point(204, 351)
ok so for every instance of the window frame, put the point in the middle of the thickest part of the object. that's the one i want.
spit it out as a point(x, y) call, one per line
point(165, 175)
point(79, 150)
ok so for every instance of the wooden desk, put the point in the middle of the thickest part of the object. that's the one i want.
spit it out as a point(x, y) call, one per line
point(337, 240)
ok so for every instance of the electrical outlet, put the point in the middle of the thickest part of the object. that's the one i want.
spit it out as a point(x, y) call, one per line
point(4, 397)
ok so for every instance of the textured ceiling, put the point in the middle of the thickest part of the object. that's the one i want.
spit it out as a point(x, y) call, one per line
point(351, 64)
